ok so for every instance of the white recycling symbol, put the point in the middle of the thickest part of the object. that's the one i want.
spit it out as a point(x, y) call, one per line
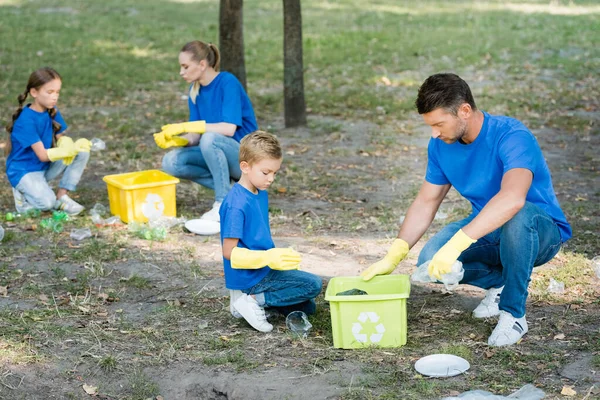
point(153, 207)
point(357, 327)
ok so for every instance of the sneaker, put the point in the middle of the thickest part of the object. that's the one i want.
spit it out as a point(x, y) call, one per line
point(254, 314)
point(233, 296)
point(21, 203)
point(213, 214)
point(509, 330)
point(489, 305)
point(68, 205)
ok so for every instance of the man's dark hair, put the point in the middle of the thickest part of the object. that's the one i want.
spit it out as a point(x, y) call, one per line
point(447, 91)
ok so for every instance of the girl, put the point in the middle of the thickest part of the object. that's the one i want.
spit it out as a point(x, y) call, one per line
point(39, 152)
point(220, 116)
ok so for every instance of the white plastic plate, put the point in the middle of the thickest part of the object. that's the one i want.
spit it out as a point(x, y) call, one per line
point(441, 365)
point(203, 227)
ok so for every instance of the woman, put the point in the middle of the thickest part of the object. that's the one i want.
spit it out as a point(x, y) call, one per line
point(221, 114)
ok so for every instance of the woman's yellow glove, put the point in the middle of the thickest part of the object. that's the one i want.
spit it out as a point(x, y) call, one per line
point(164, 143)
point(442, 261)
point(397, 252)
point(277, 258)
point(171, 130)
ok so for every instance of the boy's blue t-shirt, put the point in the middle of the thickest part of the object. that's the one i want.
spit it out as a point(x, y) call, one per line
point(476, 169)
point(31, 127)
point(245, 216)
point(224, 100)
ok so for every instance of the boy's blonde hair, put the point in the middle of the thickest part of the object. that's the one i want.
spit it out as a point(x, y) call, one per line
point(258, 146)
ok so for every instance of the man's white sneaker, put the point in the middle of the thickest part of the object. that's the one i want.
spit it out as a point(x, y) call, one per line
point(213, 214)
point(233, 296)
point(254, 314)
point(68, 205)
point(489, 305)
point(509, 330)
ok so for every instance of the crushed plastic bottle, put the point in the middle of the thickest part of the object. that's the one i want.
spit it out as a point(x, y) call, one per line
point(450, 280)
point(352, 292)
point(1, 233)
point(52, 224)
point(60, 216)
point(556, 287)
point(527, 392)
point(144, 231)
point(166, 222)
point(298, 323)
point(80, 234)
point(97, 144)
point(596, 265)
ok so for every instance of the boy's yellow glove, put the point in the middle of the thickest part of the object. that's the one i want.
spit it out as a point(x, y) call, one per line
point(171, 130)
point(164, 143)
point(279, 259)
point(64, 150)
point(397, 252)
point(83, 145)
point(442, 261)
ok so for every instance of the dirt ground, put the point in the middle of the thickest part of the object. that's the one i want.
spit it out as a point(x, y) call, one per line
point(338, 200)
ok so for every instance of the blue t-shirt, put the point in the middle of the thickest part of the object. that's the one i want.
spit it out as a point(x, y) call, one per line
point(224, 100)
point(245, 216)
point(31, 127)
point(476, 169)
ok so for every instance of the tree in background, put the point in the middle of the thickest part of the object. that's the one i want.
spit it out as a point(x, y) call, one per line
point(293, 70)
point(231, 38)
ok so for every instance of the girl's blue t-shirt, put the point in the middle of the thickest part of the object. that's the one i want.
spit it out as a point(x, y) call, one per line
point(224, 100)
point(245, 216)
point(30, 127)
point(476, 169)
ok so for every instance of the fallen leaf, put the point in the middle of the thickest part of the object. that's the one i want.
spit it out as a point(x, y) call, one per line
point(4, 291)
point(560, 336)
point(282, 190)
point(568, 391)
point(89, 389)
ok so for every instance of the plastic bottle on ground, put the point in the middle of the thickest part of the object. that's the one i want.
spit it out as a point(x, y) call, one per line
point(97, 144)
point(1, 233)
point(298, 323)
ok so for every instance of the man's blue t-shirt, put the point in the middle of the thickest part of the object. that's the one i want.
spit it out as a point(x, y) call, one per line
point(245, 216)
point(31, 127)
point(476, 169)
point(224, 100)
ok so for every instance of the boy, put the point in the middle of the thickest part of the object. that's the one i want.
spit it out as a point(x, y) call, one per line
point(258, 274)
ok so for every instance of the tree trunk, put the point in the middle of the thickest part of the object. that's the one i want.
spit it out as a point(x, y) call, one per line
point(293, 73)
point(231, 38)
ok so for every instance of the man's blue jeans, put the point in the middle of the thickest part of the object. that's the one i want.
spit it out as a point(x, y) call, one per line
point(212, 163)
point(36, 190)
point(288, 291)
point(506, 256)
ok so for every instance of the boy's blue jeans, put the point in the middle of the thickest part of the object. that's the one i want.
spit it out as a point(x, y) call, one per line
point(36, 190)
point(505, 256)
point(212, 163)
point(288, 291)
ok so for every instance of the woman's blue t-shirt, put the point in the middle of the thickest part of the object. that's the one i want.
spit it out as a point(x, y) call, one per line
point(476, 169)
point(224, 100)
point(245, 216)
point(31, 127)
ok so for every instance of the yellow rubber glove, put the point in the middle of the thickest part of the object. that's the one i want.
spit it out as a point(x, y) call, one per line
point(397, 252)
point(65, 150)
point(171, 130)
point(442, 261)
point(165, 143)
point(277, 258)
point(83, 145)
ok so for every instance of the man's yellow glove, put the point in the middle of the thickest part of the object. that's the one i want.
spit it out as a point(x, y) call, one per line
point(397, 252)
point(83, 145)
point(171, 130)
point(64, 150)
point(442, 261)
point(164, 143)
point(276, 258)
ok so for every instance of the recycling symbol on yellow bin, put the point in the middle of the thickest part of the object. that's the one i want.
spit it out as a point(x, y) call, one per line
point(153, 206)
point(363, 337)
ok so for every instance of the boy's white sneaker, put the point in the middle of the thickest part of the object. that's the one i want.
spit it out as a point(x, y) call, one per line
point(253, 313)
point(489, 305)
point(213, 214)
point(233, 296)
point(509, 330)
point(68, 205)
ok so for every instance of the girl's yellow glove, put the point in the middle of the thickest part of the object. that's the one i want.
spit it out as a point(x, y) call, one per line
point(282, 259)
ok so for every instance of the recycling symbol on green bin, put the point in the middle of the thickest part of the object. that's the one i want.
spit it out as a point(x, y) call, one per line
point(357, 327)
point(153, 207)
